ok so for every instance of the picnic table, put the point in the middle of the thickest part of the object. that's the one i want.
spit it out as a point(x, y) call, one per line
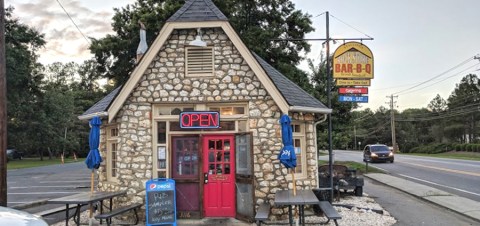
point(302, 198)
point(85, 198)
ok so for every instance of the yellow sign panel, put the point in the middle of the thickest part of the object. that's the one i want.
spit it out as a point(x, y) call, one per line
point(353, 60)
point(352, 82)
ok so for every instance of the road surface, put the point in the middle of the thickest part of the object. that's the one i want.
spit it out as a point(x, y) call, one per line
point(460, 177)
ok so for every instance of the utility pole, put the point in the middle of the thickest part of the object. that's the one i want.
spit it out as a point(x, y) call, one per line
point(3, 111)
point(392, 122)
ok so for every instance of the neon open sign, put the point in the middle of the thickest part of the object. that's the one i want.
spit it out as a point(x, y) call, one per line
point(199, 120)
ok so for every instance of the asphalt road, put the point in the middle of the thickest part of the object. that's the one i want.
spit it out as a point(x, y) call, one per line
point(47, 182)
point(460, 177)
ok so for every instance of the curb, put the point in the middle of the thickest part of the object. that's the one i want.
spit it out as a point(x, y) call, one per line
point(468, 214)
point(30, 204)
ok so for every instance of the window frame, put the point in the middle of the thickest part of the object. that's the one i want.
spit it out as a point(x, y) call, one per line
point(112, 139)
point(301, 135)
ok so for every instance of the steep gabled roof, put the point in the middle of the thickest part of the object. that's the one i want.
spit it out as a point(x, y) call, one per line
point(101, 107)
point(296, 97)
point(202, 13)
point(197, 10)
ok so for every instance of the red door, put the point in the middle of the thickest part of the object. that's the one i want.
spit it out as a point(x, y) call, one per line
point(219, 171)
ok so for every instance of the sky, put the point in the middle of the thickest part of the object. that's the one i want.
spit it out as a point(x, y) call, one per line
point(421, 48)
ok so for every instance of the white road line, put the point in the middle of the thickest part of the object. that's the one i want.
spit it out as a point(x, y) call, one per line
point(52, 186)
point(75, 181)
point(441, 185)
point(41, 193)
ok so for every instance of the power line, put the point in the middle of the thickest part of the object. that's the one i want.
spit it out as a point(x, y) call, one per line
point(444, 115)
point(350, 26)
point(437, 76)
point(434, 114)
point(377, 129)
point(443, 79)
point(71, 19)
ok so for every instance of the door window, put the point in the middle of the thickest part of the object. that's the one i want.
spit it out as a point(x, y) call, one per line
point(185, 157)
point(219, 157)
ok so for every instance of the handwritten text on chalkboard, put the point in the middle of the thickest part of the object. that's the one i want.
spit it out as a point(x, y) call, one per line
point(161, 207)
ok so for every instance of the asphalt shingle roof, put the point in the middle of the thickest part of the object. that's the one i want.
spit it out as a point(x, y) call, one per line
point(197, 10)
point(103, 104)
point(293, 94)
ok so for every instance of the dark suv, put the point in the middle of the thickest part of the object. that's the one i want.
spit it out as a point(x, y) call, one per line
point(377, 152)
point(14, 154)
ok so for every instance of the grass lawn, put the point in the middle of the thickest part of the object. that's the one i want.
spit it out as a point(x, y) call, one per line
point(354, 165)
point(34, 162)
point(451, 155)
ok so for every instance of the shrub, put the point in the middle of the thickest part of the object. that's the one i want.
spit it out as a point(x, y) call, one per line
point(458, 147)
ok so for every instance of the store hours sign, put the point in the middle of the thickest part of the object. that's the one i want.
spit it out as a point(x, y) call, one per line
point(199, 120)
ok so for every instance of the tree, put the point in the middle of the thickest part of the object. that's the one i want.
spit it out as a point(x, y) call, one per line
point(438, 105)
point(23, 80)
point(342, 130)
point(466, 98)
point(257, 22)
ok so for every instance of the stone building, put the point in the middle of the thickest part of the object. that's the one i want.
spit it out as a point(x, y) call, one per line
point(204, 110)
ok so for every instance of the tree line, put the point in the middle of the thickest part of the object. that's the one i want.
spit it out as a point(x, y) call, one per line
point(450, 124)
point(43, 101)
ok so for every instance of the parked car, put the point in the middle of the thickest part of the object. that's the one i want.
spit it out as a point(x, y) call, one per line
point(377, 153)
point(13, 217)
point(14, 154)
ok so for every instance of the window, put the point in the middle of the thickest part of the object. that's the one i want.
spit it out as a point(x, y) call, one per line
point(173, 110)
point(199, 61)
point(237, 110)
point(298, 132)
point(112, 150)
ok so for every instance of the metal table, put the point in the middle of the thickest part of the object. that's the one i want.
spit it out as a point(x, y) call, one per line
point(85, 198)
point(303, 197)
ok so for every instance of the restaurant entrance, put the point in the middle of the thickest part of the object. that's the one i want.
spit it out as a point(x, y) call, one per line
point(219, 175)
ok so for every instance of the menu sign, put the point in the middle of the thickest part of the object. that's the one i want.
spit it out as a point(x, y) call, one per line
point(161, 203)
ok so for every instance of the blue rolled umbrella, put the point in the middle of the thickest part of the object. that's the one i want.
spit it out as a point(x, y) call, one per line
point(94, 159)
point(287, 155)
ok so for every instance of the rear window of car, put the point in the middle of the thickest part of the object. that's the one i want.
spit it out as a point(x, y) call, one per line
point(379, 148)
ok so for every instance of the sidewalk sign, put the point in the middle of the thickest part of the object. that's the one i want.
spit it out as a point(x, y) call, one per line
point(161, 202)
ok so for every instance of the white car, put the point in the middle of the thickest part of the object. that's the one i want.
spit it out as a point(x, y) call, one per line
point(13, 217)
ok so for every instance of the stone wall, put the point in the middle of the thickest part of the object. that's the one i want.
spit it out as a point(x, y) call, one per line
point(165, 82)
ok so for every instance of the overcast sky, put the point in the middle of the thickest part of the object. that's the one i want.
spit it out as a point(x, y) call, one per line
point(414, 41)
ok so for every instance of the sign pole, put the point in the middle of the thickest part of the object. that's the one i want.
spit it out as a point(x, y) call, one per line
point(329, 98)
point(329, 84)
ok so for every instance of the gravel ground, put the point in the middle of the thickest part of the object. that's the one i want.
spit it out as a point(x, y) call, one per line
point(364, 213)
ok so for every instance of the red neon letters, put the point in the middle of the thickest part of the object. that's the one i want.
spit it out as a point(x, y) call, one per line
point(199, 119)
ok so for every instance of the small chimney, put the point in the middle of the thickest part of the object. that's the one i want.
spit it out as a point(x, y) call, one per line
point(142, 46)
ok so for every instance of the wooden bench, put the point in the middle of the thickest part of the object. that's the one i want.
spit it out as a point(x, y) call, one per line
point(329, 212)
point(262, 213)
point(120, 210)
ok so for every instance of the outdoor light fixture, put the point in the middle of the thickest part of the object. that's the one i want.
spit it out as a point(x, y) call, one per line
point(198, 40)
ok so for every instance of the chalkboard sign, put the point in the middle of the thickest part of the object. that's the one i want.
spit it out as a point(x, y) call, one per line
point(161, 202)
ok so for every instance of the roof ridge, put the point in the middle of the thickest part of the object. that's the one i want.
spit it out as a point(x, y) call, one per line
point(196, 12)
point(291, 91)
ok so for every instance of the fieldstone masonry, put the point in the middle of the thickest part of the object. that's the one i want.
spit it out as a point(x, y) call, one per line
point(165, 82)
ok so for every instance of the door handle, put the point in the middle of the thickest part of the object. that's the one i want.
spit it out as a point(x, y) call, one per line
point(205, 178)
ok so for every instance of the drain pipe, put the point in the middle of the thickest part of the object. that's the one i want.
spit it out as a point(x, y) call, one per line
point(316, 145)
